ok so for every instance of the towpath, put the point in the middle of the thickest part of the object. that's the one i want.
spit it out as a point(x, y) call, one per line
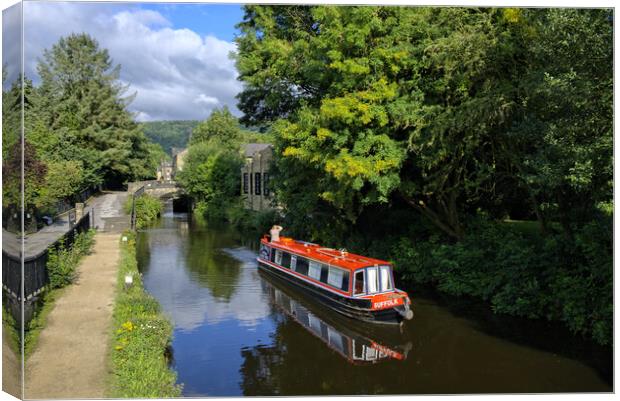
point(70, 359)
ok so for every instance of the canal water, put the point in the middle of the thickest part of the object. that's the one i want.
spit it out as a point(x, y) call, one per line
point(240, 332)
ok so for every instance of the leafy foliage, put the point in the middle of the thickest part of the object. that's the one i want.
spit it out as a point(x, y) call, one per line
point(520, 275)
point(220, 129)
point(147, 209)
point(62, 262)
point(211, 177)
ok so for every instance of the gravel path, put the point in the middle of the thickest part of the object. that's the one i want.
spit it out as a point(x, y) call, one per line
point(70, 360)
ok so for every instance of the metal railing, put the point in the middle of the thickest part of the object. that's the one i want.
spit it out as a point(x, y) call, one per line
point(35, 267)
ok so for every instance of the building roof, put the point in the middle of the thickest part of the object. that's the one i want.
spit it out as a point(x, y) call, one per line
point(252, 148)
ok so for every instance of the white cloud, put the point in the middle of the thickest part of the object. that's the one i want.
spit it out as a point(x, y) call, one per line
point(204, 99)
point(176, 73)
point(11, 43)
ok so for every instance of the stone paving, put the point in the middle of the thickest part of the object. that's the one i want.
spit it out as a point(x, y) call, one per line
point(109, 216)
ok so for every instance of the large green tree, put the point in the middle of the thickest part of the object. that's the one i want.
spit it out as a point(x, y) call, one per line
point(81, 110)
point(381, 102)
point(562, 143)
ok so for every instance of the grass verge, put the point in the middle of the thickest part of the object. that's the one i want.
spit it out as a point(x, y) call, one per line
point(141, 337)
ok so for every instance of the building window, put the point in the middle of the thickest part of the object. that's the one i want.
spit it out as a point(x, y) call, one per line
point(245, 183)
point(257, 183)
point(250, 183)
point(266, 184)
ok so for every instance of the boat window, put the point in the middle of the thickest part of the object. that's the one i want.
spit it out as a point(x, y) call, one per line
point(359, 282)
point(278, 257)
point(358, 350)
point(286, 260)
point(386, 279)
point(373, 280)
point(324, 273)
point(293, 261)
point(345, 281)
point(371, 354)
point(338, 278)
point(273, 255)
point(314, 270)
point(336, 339)
point(264, 251)
point(315, 324)
point(302, 266)
point(335, 277)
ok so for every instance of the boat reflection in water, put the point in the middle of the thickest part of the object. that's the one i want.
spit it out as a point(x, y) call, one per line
point(353, 340)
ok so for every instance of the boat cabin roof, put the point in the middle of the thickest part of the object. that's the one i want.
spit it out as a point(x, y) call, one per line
point(334, 257)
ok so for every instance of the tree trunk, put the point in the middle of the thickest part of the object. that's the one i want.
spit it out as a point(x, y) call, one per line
point(448, 221)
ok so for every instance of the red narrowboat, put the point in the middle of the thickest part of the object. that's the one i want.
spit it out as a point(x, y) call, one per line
point(356, 286)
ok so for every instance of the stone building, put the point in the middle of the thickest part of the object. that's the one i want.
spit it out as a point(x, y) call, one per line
point(164, 171)
point(178, 160)
point(255, 185)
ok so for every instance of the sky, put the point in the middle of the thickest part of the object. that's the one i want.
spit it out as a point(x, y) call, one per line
point(174, 57)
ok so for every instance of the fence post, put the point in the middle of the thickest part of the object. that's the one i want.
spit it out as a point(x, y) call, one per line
point(133, 211)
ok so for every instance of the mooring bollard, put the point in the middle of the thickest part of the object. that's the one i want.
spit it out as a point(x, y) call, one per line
point(128, 281)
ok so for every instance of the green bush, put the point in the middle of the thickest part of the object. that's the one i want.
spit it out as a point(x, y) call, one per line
point(142, 335)
point(62, 262)
point(147, 209)
point(551, 277)
point(249, 220)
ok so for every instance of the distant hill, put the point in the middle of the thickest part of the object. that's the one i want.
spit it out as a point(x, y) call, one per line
point(170, 134)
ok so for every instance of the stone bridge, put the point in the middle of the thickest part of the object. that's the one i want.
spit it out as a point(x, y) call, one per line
point(158, 189)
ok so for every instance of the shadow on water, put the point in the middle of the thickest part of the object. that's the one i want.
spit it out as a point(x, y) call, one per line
point(552, 337)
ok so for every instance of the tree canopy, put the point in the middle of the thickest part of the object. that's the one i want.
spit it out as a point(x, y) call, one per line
point(428, 105)
point(80, 113)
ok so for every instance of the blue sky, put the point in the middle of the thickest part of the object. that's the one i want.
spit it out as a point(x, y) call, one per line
point(175, 57)
point(205, 19)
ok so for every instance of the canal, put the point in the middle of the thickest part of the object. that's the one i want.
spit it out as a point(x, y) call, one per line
point(238, 332)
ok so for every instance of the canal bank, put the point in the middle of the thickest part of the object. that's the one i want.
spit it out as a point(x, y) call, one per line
point(236, 333)
point(141, 336)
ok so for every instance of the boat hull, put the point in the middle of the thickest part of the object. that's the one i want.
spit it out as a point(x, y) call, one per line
point(350, 307)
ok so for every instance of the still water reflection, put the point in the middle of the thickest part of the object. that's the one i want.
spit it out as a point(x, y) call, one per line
point(237, 332)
